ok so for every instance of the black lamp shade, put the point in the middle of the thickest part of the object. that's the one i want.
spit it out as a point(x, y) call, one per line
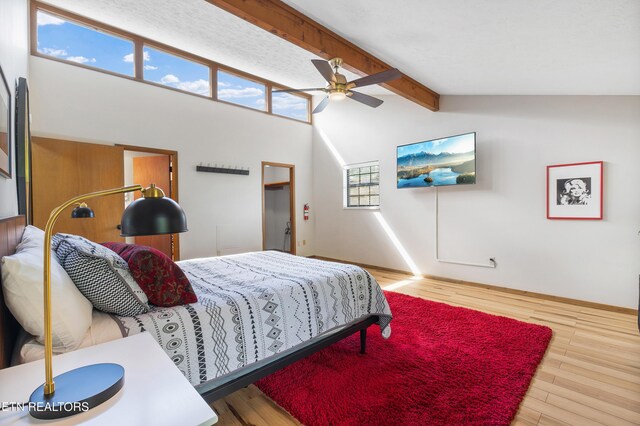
point(81, 212)
point(153, 216)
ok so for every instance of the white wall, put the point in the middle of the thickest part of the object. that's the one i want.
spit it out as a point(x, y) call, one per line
point(224, 211)
point(503, 216)
point(14, 54)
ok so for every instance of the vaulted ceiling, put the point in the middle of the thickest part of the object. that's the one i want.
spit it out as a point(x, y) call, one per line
point(498, 47)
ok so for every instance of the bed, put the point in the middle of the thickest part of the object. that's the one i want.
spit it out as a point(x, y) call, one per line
point(256, 313)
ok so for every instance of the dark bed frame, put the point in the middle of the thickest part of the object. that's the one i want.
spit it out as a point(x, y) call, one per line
point(11, 230)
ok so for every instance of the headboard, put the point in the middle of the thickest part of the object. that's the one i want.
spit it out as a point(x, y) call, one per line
point(11, 229)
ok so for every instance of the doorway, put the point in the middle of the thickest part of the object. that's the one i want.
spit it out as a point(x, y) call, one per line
point(145, 166)
point(278, 207)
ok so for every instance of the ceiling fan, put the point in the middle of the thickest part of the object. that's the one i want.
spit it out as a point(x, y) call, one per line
point(339, 88)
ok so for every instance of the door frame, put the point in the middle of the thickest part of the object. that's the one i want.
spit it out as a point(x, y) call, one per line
point(292, 203)
point(173, 159)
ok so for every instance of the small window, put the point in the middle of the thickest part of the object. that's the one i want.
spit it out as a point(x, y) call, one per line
point(290, 105)
point(362, 185)
point(241, 91)
point(174, 71)
point(71, 42)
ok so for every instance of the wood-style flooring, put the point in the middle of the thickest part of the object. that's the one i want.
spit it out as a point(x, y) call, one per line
point(589, 376)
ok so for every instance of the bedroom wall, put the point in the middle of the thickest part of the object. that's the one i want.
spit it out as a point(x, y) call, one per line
point(14, 55)
point(224, 211)
point(503, 216)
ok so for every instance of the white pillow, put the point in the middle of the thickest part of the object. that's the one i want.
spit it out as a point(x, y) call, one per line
point(32, 237)
point(22, 284)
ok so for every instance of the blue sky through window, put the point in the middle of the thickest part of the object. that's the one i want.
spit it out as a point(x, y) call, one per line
point(63, 39)
point(66, 40)
point(173, 71)
point(241, 91)
point(291, 106)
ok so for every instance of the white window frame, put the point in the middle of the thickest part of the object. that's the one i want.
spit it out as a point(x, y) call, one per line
point(345, 185)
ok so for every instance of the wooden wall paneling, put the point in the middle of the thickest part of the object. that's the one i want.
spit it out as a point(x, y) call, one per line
point(65, 169)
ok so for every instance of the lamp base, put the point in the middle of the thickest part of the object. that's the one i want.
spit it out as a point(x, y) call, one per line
point(77, 391)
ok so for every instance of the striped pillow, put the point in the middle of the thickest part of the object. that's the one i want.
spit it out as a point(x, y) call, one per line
point(101, 275)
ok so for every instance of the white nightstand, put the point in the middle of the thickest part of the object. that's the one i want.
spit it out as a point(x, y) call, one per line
point(155, 392)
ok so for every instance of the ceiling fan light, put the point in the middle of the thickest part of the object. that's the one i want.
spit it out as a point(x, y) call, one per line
point(337, 96)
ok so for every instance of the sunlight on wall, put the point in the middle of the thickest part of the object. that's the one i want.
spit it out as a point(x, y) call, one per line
point(392, 236)
point(331, 147)
point(383, 223)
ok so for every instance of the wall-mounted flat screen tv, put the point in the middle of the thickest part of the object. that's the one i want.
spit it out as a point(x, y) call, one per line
point(438, 162)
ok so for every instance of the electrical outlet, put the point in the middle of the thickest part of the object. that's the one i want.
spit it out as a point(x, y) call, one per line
point(304, 242)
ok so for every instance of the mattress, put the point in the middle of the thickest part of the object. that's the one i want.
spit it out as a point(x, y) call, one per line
point(251, 307)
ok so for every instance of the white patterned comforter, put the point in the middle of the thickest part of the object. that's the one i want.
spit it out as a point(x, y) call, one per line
point(252, 306)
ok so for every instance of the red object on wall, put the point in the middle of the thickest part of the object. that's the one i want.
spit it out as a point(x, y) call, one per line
point(442, 365)
point(306, 211)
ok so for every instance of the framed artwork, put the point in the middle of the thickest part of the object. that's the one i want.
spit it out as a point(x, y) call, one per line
point(574, 191)
point(5, 127)
point(23, 149)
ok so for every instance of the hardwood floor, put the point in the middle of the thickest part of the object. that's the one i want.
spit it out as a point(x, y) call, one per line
point(589, 376)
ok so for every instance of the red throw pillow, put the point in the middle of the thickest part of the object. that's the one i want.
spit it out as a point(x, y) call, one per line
point(160, 278)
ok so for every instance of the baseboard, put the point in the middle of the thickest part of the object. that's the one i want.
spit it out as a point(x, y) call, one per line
point(577, 302)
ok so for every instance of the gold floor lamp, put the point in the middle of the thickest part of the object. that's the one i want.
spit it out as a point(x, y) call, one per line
point(86, 387)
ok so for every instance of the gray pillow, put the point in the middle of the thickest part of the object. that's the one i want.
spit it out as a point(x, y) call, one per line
point(101, 275)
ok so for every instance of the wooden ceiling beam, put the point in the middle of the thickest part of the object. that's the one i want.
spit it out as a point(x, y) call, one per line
point(291, 25)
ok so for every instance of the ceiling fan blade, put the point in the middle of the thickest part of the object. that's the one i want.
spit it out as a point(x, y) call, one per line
point(321, 106)
point(297, 90)
point(366, 99)
point(325, 69)
point(378, 78)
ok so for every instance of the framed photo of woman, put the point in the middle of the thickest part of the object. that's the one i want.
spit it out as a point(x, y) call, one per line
point(5, 127)
point(574, 191)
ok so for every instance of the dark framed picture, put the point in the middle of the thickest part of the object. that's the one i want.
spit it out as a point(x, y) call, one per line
point(574, 191)
point(23, 149)
point(5, 127)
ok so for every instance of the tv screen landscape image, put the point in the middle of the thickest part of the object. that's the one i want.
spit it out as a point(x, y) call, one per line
point(438, 162)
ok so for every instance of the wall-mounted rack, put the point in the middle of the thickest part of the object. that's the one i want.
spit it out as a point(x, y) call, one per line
point(222, 169)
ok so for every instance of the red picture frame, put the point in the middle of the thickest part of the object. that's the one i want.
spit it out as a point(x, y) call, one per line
point(588, 177)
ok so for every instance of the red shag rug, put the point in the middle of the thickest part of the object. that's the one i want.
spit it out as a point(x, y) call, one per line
point(442, 365)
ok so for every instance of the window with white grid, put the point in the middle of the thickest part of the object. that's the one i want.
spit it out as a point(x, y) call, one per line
point(362, 185)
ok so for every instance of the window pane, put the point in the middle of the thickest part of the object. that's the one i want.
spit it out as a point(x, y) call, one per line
point(75, 43)
point(173, 71)
point(241, 91)
point(362, 186)
point(289, 105)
